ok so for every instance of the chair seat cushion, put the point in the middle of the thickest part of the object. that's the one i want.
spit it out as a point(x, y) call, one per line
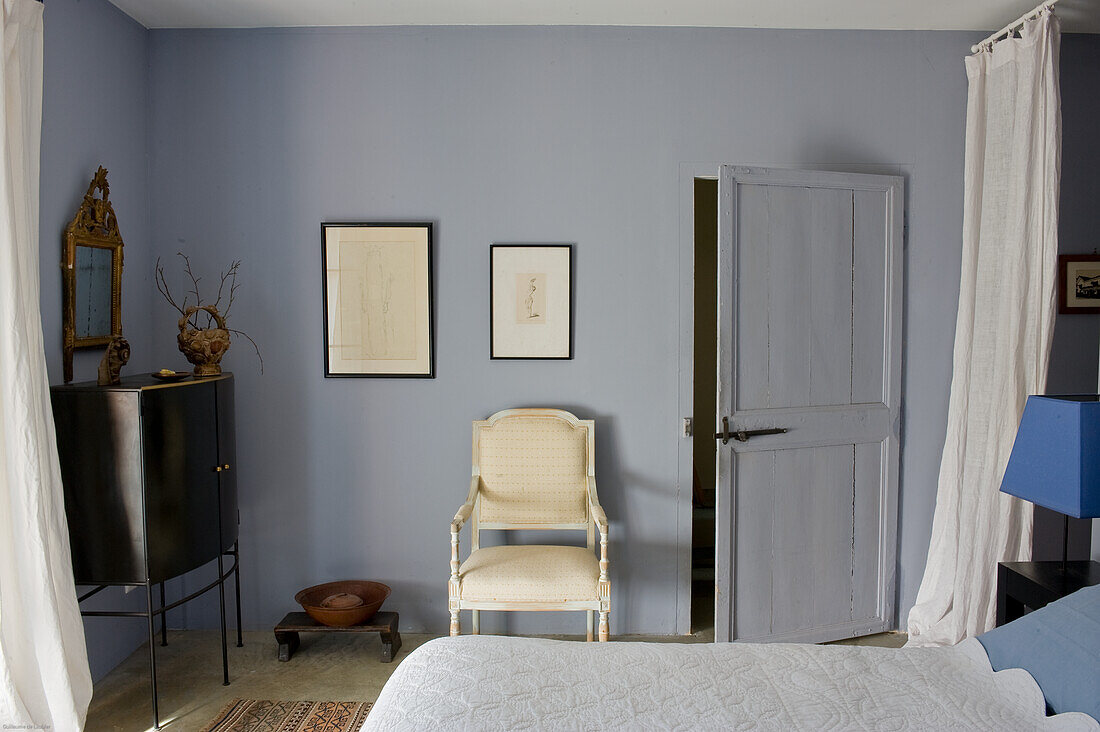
point(532, 573)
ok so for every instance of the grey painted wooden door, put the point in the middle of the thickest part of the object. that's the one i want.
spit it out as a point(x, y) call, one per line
point(809, 341)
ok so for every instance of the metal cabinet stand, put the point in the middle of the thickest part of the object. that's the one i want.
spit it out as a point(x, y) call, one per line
point(150, 613)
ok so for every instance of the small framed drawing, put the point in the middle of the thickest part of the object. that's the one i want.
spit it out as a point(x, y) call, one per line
point(377, 284)
point(531, 301)
point(1079, 283)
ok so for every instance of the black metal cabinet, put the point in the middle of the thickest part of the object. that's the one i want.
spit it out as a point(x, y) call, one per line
point(149, 470)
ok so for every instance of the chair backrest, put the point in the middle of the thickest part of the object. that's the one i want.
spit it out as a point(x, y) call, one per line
point(534, 465)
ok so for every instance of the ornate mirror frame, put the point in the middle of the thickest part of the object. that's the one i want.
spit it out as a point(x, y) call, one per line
point(95, 226)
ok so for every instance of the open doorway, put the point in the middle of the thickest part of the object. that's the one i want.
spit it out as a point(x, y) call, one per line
point(704, 380)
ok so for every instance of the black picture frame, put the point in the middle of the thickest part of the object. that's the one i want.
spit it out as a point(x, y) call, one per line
point(427, 226)
point(1067, 265)
point(568, 249)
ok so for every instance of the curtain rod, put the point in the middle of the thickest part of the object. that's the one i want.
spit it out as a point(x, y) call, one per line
point(1012, 26)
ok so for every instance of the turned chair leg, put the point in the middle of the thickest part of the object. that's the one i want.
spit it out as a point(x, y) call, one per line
point(475, 618)
point(455, 627)
point(591, 625)
point(603, 626)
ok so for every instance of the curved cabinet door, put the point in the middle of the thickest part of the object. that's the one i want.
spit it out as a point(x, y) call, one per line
point(99, 445)
point(182, 511)
point(227, 455)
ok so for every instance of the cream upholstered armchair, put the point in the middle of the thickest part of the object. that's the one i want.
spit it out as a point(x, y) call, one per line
point(532, 469)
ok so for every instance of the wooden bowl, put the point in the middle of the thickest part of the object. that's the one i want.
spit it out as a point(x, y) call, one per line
point(373, 595)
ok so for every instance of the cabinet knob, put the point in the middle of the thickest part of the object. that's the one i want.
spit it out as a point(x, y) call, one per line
point(225, 467)
point(217, 469)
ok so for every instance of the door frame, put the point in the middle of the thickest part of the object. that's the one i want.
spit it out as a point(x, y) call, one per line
point(688, 172)
point(684, 455)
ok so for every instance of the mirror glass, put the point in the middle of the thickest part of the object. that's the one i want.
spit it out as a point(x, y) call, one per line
point(93, 291)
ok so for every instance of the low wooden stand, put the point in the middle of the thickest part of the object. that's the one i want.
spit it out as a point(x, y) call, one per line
point(384, 623)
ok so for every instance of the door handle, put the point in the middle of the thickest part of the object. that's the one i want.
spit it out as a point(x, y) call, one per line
point(743, 435)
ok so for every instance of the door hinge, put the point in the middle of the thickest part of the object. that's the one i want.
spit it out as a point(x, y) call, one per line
point(688, 428)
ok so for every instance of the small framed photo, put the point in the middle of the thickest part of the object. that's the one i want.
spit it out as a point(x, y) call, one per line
point(1079, 283)
point(531, 301)
point(377, 283)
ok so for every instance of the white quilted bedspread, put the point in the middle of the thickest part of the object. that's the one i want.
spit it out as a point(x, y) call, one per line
point(496, 683)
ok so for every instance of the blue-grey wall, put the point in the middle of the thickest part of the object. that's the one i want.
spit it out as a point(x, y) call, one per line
point(506, 135)
point(95, 112)
point(497, 134)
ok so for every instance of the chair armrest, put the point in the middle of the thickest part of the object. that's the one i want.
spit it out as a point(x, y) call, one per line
point(601, 523)
point(594, 506)
point(467, 508)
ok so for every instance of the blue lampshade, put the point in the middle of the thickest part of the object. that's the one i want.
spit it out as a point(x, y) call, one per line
point(1055, 460)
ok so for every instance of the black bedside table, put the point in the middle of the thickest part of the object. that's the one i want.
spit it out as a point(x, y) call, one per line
point(1023, 586)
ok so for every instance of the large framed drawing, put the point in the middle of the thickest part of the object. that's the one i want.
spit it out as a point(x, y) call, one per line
point(1079, 283)
point(377, 283)
point(531, 301)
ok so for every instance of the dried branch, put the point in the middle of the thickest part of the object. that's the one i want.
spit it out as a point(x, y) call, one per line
point(229, 275)
point(194, 280)
point(162, 287)
point(242, 333)
point(232, 293)
point(221, 285)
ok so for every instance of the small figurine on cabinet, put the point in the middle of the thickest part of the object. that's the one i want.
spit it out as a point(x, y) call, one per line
point(116, 356)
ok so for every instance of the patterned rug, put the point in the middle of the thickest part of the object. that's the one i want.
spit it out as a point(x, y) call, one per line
point(263, 715)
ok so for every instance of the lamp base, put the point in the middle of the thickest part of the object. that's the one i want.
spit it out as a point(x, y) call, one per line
point(1065, 542)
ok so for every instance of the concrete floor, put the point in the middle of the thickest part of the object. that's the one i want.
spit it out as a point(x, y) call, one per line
point(327, 667)
point(892, 639)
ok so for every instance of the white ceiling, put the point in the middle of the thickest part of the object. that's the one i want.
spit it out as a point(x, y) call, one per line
point(987, 15)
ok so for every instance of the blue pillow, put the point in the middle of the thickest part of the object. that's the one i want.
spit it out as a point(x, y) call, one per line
point(1059, 645)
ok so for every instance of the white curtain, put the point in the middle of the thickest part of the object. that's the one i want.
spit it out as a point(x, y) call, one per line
point(44, 677)
point(1004, 327)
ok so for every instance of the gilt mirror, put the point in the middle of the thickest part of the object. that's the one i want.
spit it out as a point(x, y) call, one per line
point(91, 268)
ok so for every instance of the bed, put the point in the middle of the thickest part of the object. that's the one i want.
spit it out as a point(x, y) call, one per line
point(498, 683)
